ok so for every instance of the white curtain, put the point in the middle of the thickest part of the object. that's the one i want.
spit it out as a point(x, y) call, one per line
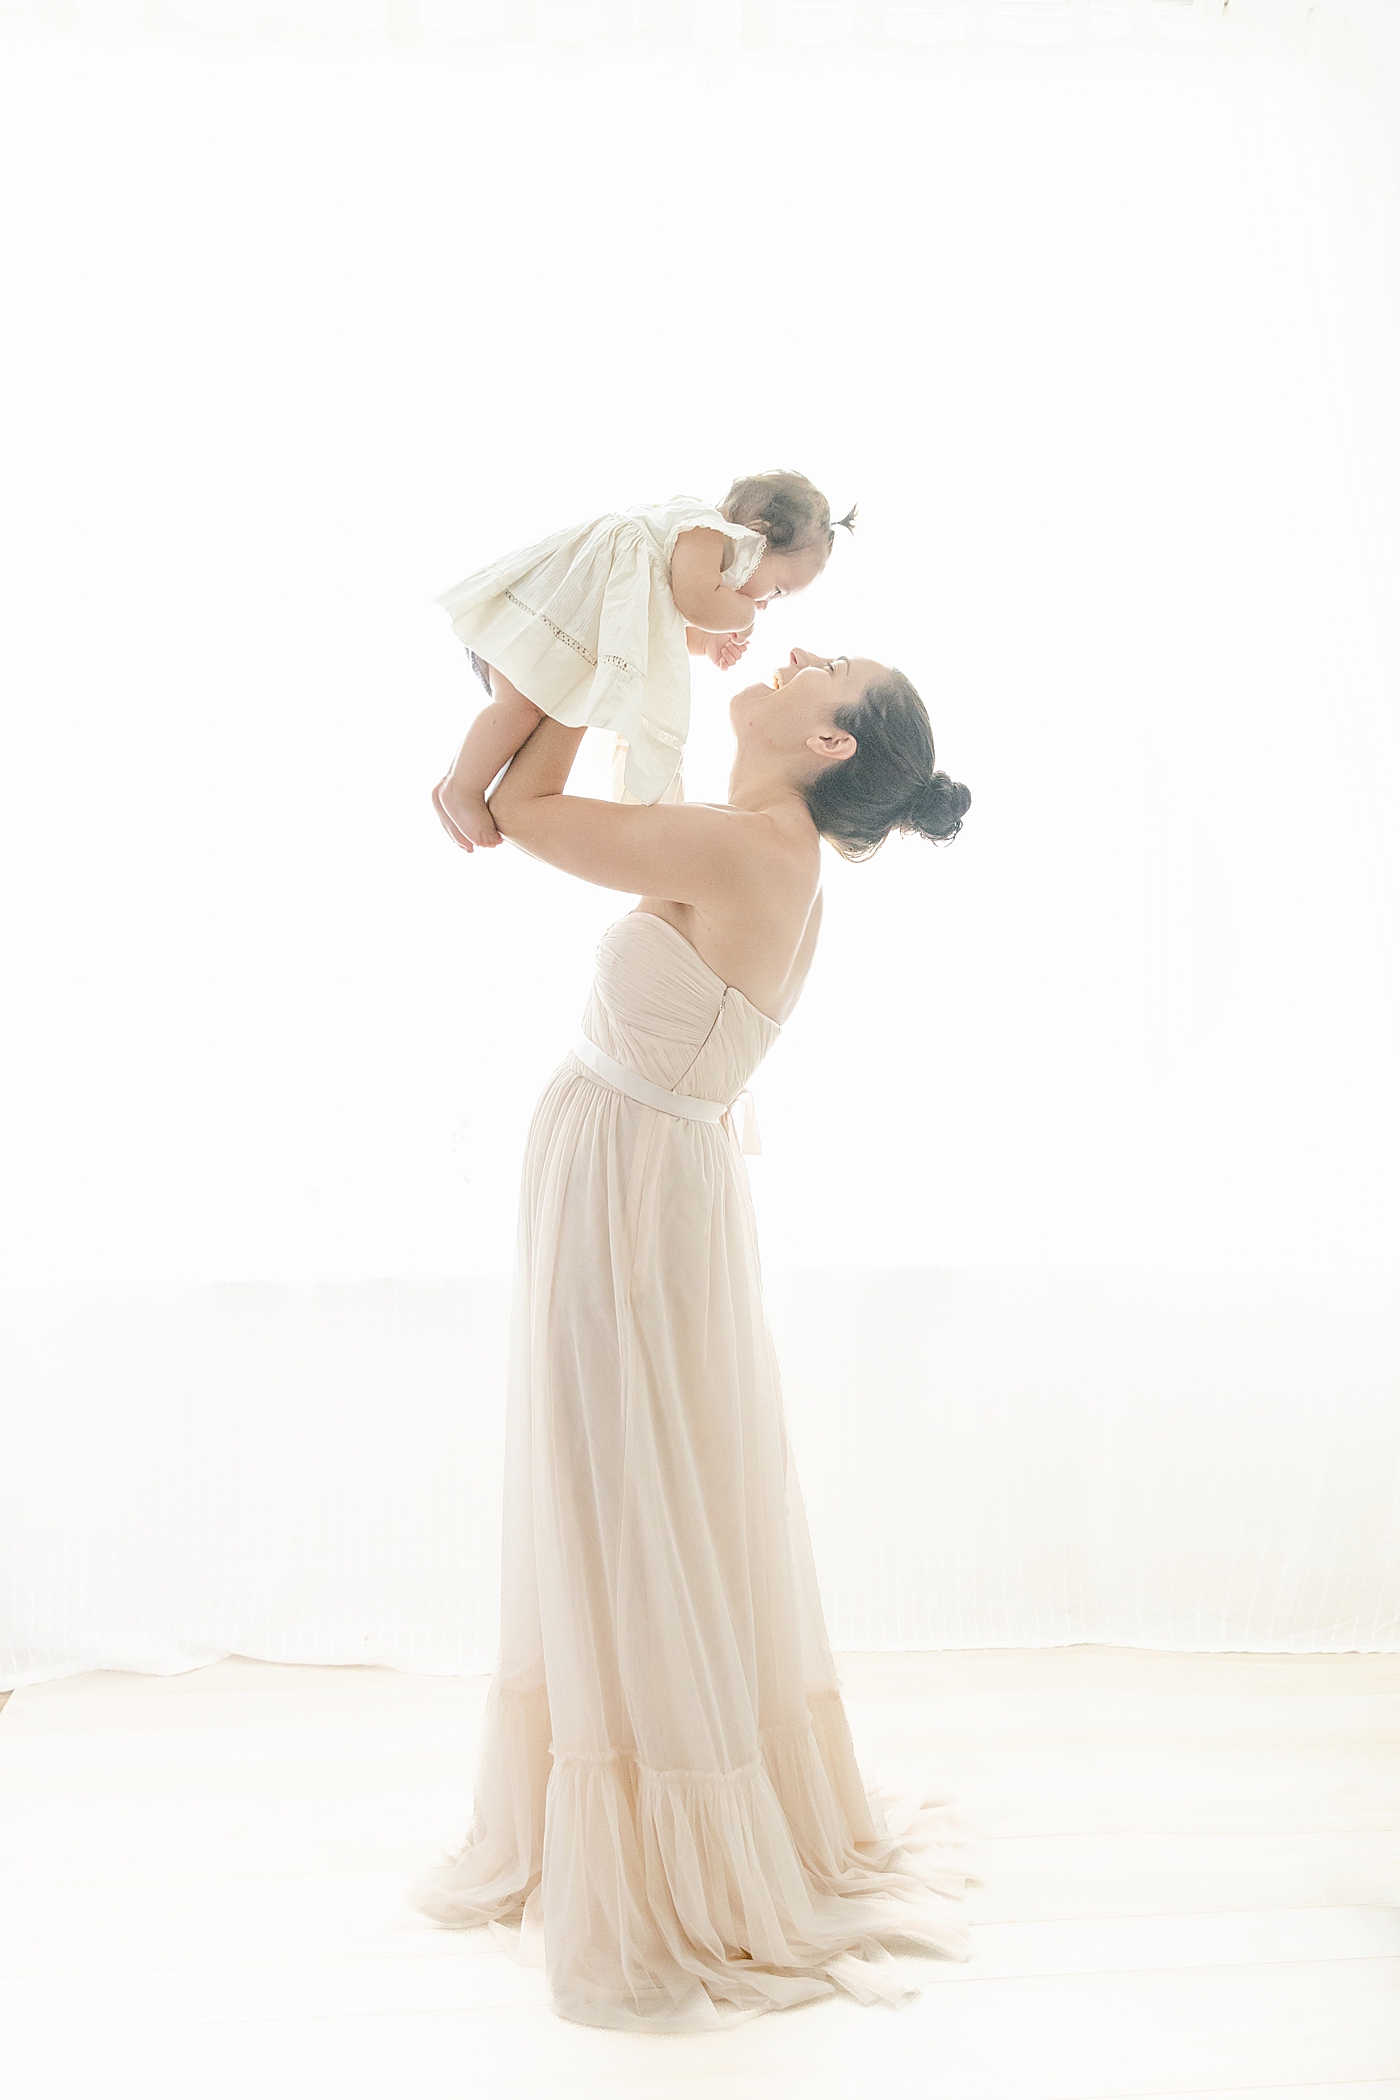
point(1097, 337)
point(314, 1473)
point(585, 29)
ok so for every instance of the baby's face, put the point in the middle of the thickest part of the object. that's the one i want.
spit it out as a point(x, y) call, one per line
point(783, 571)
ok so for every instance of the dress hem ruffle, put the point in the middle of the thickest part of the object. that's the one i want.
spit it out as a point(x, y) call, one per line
point(723, 1893)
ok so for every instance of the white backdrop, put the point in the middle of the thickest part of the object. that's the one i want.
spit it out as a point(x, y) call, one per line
point(310, 332)
point(314, 1472)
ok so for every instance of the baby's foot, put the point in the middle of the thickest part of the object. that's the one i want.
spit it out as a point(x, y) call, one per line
point(469, 824)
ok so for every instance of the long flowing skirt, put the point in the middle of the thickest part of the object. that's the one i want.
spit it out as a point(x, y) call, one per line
point(668, 1806)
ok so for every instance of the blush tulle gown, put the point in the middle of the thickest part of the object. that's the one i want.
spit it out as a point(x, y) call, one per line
point(667, 1808)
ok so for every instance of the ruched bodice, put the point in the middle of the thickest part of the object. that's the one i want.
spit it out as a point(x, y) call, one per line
point(662, 1012)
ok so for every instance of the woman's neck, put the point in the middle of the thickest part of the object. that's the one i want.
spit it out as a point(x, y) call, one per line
point(761, 781)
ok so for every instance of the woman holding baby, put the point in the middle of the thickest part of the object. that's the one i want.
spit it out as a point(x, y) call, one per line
point(668, 1810)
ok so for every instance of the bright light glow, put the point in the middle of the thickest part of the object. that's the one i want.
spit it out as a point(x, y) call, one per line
point(308, 334)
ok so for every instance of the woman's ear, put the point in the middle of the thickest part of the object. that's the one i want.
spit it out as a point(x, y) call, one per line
point(832, 746)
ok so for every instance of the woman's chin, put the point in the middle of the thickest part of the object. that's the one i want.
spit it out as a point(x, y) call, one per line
point(749, 694)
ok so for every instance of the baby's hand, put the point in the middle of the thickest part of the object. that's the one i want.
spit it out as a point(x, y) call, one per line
point(724, 650)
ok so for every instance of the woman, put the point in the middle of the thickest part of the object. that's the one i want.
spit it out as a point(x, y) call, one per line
point(667, 1793)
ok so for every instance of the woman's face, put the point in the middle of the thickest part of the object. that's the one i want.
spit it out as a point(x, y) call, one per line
point(800, 701)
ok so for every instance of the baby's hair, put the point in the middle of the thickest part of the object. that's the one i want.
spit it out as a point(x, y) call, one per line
point(786, 509)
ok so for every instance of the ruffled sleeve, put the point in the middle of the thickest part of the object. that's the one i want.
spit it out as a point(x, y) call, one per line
point(684, 514)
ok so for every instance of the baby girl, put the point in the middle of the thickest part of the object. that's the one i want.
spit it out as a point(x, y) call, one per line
point(592, 627)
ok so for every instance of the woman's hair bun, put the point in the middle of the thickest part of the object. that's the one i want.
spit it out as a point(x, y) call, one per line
point(938, 806)
point(889, 782)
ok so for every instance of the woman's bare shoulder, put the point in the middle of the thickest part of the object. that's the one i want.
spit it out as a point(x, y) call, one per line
point(777, 833)
point(758, 929)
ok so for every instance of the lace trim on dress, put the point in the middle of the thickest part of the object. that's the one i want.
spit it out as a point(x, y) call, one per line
point(571, 641)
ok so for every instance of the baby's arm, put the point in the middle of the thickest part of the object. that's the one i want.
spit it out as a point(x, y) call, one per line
point(722, 649)
point(701, 599)
point(493, 739)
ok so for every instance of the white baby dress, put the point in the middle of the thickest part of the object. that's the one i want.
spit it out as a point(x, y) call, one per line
point(584, 625)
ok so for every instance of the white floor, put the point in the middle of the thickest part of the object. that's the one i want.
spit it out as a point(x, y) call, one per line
point(1187, 1866)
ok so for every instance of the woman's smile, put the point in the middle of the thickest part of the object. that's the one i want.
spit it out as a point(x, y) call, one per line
point(804, 660)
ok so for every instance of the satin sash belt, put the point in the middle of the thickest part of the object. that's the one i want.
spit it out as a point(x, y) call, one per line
point(645, 1090)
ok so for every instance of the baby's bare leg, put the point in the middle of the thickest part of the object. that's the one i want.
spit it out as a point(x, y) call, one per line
point(491, 742)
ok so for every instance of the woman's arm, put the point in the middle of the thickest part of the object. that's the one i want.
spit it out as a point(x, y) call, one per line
point(687, 852)
point(701, 599)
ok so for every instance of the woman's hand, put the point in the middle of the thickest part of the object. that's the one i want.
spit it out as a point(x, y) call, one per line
point(465, 818)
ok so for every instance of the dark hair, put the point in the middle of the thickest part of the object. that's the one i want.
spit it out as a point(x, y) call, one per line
point(889, 782)
point(786, 509)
